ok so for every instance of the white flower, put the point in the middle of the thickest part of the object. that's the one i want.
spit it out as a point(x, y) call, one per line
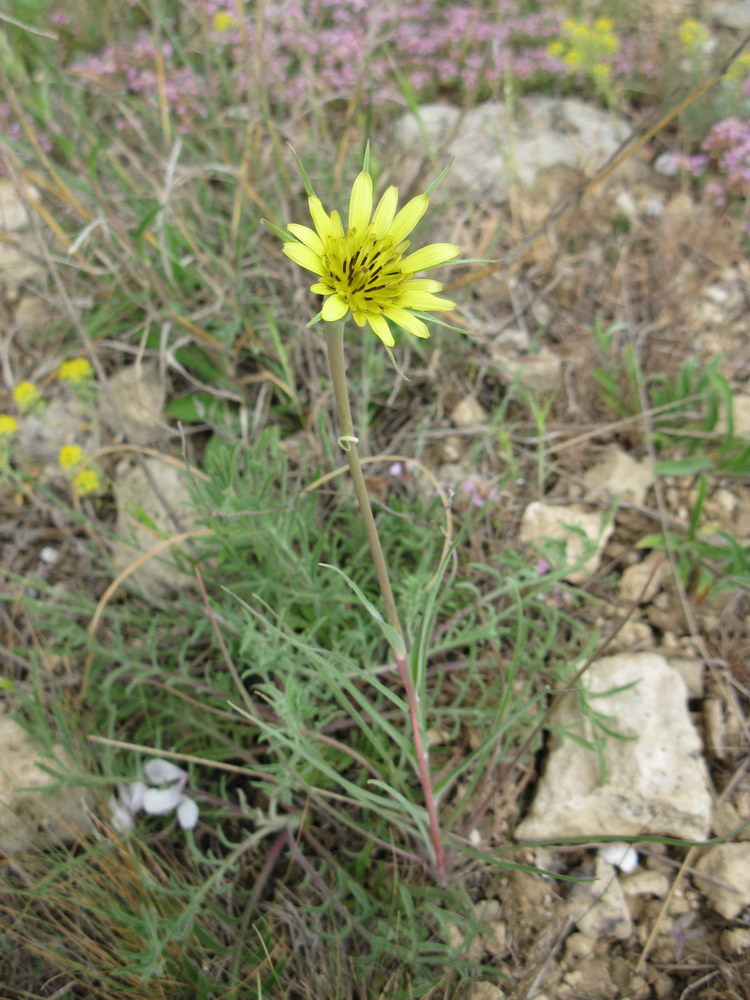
point(166, 793)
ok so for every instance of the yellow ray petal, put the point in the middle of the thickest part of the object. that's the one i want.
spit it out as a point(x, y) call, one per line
point(424, 301)
point(382, 329)
point(385, 211)
point(307, 236)
point(334, 308)
point(412, 324)
point(304, 256)
point(360, 203)
point(408, 217)
point(320, 217)
point(423, 285)
point(429, 256)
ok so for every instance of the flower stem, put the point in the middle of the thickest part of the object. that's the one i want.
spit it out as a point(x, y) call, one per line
point(348, 442)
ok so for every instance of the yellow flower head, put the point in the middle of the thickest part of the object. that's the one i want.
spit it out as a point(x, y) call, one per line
point(740, 68)
point(573, 59)
point(86, 481)
point(8, 426)
point(223, 21)
point(692, 34)
point(70, 457)
point(362, 269)
point(76, 371)
point(25, 395)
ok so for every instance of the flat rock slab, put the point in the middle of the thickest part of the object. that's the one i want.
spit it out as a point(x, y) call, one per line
point(652, 781)
point(30, 814)
point(492, 147)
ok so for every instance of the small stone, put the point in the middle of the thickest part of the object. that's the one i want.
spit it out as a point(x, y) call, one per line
point(133, 404)
point(496, 939)
point(599, 908)
point(632, 636)
point(487, 910)
point(619, 474)
point(28, 814)
point(14, 213)
point(583, 531)
point(31, 315)
point(735, 941)
point(641, 581)
point(663, 986)
point(468, 413)
point(579, 946)
point(147, 514)
point(540, 371)
point(692, 672)
point(732, 14)
point(646, 883)
point(728, 888)
point(485, 991)
point(655, 775)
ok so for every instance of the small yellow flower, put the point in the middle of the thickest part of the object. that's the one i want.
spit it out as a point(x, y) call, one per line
point(76, 371)
point(223, 21)
point(70, 457)
point(603, 25)
point(573, 59)
point(26, 395)
point(601, 73)
point(362, 269)
point(692, 34)
point(8, 425)
point(556, 48)
point(740, 68)
point(86, 481)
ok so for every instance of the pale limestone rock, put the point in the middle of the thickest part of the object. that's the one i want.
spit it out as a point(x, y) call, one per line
point(740, 414)
point(655, 778)
point(32, 315)
point(540, 371)
point(599, 908)
point(28, 815)
point(146, 516)
point(646, 883)
point(133, 402)
point(485, 991)
point(619, 474)
point(14, 212)
point(732, 14)
point(728, 864)
point(692, 672)
point(582, 530)
point(468, 413)
point(641, 581)
point(18, 264)
point(735, 941)
point(491, 148)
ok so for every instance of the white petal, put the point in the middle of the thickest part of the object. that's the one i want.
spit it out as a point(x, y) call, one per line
point(122, 820)
point(187, 813)
point(131, 795)
point(159, 801)
point(158, 771)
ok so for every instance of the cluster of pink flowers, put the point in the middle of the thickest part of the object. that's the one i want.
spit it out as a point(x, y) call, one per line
point(326, 48)
point(728, 143)
point(134, 70)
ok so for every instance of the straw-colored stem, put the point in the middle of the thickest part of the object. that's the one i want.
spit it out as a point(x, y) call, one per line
point(348, 441)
